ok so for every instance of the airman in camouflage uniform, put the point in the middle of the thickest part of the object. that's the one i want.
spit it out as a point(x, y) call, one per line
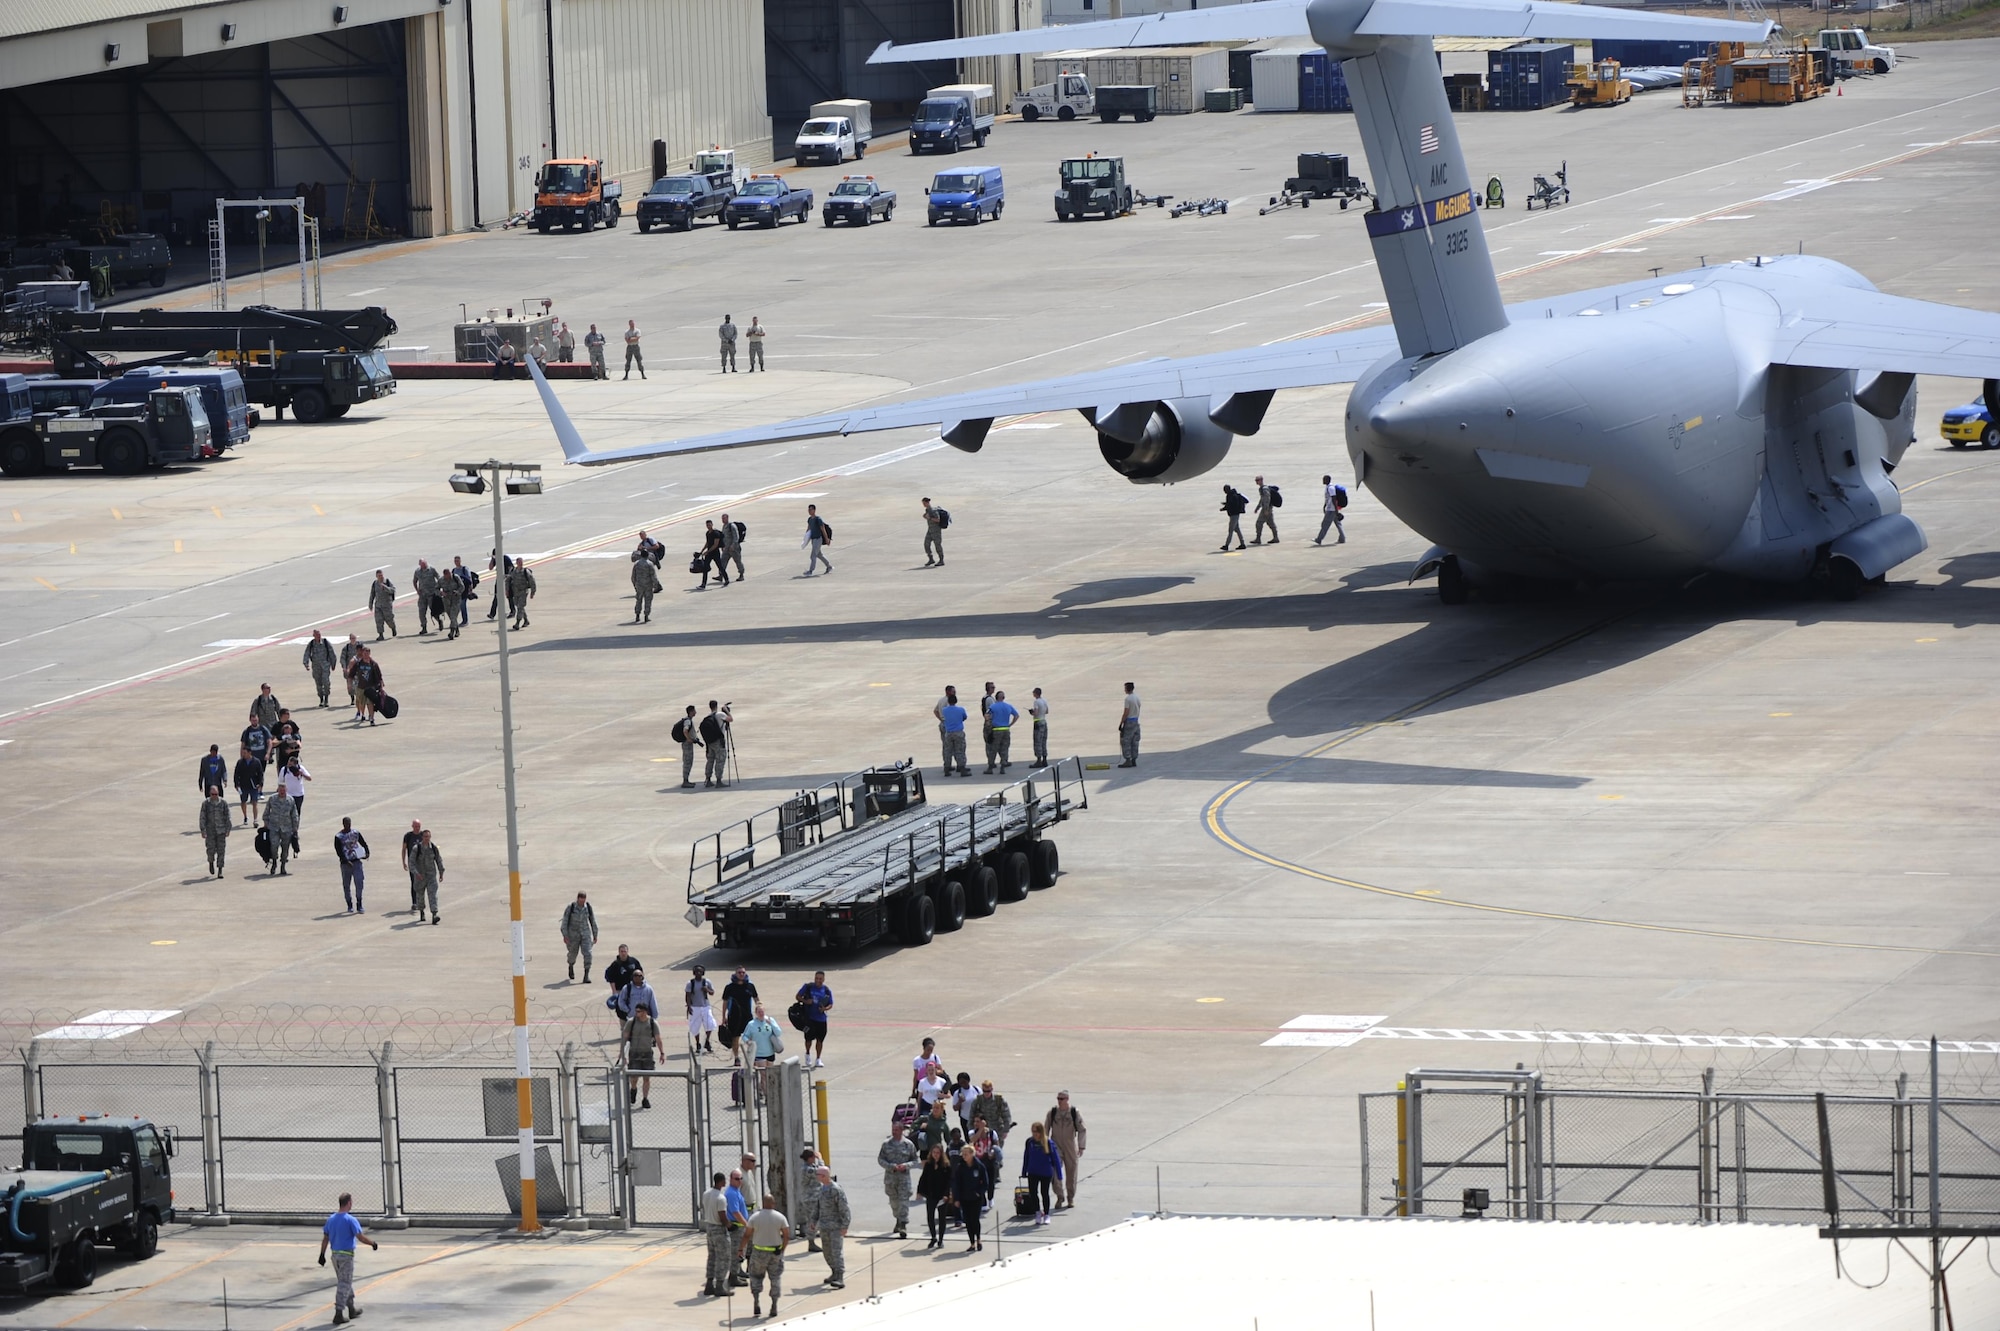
point(318, 658)
point(830, 1214)
point(645, 581)
point(215, 825)
point(453, 592)
point(425, 580)
point(520, 586)
point(896, 1157)
point(281, 820)
point(715, 1225)
point(382, 600)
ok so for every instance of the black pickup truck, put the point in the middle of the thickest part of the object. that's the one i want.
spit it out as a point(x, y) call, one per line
point(678, 202)
point(83, 1181)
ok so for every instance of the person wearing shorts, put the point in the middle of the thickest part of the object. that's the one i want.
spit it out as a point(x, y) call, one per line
point(643, 1048)
point(817, 1000)
point(700, 998)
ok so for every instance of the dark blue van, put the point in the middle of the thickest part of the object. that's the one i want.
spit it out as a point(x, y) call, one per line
point(222, 395)
point(967, 194)
point(63, 394)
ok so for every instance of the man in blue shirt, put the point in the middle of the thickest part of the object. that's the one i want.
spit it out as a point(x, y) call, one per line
point(817, 1000)
point(951, 729)
point(739, 1219)
point(340, 1233)
point(1001, 716)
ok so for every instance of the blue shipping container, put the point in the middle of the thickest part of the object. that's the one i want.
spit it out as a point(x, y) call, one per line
point(1322, 85)
point(1635, 54)
point(1528, 77)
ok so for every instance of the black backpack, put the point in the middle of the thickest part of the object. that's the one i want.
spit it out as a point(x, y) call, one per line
point(825, 532)
point(742, 533)
point(944, 518)
point(1277, 500)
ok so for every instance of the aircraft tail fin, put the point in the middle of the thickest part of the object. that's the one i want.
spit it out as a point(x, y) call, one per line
point(571, 439)
point(1436, 272)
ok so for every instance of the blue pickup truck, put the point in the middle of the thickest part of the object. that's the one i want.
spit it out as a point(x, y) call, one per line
point(678, 202)
point(766, 201)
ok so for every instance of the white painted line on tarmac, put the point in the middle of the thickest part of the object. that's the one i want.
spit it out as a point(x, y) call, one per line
point(240, 642)
point(796, 494)
point(109, 1024)
point(199, 622)
point(1229, 328)
point(25, 673)
point(1335, 1032)
point(597, 554)
point(885, 459)
point(1732, 217)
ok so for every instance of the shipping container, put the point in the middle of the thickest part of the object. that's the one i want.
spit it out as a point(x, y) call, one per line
point(1635, 54)
point(1239, 69)
point(1529, 76)
point(1322, 84)
point(1274, 79)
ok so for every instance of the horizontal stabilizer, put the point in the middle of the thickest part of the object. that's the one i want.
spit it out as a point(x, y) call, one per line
point(1263, 19)
point(1538, 18)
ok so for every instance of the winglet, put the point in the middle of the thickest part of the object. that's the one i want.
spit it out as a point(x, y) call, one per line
point(879, 54)
point(573, 447)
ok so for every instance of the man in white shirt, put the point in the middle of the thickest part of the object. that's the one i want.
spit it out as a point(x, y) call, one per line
point(1330, 512)
point(1128, 726)
point(1039, 710)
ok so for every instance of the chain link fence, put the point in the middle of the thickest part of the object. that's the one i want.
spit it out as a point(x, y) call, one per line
point(432, 1139)
point(1702, 1155)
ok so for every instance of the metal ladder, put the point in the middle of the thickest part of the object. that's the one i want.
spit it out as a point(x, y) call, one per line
point(218, 276)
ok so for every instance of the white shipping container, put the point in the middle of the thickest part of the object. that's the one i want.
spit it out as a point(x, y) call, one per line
point(1274, 78)
point(1179, 72)
point(1047, 67)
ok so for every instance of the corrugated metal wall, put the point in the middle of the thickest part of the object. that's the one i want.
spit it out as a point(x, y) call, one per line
point(690, 72)
point(1008, 73)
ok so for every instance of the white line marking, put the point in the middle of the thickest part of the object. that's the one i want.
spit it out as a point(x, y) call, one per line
point(110, 1024)
point(798, 494)
point(1731, 217)
point(1558, 254)
point(366, 291)
point(885, 459)
point(716, 499)
point(36, 671)
point(1657, 1039)
point(1029, 425)
point(237, 642)
point(1322, 1032)
point(597, 554)
point(1213, 331)
point(198, 623)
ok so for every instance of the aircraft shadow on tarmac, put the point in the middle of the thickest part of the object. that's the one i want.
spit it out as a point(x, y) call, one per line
point(1443, 649)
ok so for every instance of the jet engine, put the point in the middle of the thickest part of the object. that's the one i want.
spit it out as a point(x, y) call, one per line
point(1161, 443)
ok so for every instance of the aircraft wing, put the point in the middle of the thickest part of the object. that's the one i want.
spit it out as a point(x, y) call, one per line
point(1847, 328)
point(1288, 18)
point(1332, 358)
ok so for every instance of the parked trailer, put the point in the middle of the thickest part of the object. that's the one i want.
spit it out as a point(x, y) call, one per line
point(868, 857)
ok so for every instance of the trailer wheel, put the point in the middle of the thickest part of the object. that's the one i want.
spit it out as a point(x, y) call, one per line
point(949, 896)
point(919, 920)
point(982, 895)
point(1013, 871)
point(78, 1267)
point(1044, 863)
point(145, 1239)
point(309, 406)
point(122, 452)
point(1110, 117)
point(21, 454)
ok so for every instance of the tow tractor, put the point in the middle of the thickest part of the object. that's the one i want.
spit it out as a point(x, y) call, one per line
point(1851, 52)
point(1598, 83)
point(83, 1181)
point(1067, 97)
point(1093, 184)
point(868, 857)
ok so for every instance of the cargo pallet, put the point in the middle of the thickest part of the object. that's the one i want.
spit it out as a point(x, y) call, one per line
point(869, 857)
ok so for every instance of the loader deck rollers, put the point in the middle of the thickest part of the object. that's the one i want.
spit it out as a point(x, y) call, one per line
point(868, 857)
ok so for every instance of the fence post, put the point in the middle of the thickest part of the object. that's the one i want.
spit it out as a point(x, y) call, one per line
point(1367, 1207)
point(628, 1192)
point(1742, 1162)
point(1402, 1148)
point(567, 1112)
point(390, 1125)
point(31, 1081)
point(1413, 1160)
point(1707, 1186)
point(1537, 1106)
point(1902, 1190)
point(211, 1136)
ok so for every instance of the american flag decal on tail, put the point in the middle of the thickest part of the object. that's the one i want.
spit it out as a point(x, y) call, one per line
point(1427, 139)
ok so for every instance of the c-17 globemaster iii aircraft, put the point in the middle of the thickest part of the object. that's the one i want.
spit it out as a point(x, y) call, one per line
point(1741, 418)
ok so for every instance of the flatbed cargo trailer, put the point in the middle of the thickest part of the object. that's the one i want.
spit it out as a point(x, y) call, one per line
point(869, 857)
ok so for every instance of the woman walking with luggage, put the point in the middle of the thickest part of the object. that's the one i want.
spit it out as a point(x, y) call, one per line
point(934, 1186)
point(1041, 1166)
point(968, 1189)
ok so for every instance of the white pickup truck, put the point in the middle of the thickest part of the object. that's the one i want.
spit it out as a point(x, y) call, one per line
point(834, 131)
point(1853, 53)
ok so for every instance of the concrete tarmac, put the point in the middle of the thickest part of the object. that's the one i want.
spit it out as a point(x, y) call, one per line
point(1626, 810)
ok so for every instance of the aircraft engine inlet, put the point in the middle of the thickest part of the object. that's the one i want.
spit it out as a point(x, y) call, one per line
point(1170, 442)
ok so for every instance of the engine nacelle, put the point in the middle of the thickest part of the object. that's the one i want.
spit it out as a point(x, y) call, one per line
point(1179, 443)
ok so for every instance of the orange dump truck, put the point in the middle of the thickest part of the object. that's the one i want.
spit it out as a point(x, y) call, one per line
point(574, 191)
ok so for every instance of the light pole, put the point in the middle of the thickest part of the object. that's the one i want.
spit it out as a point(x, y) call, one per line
point(522, 478)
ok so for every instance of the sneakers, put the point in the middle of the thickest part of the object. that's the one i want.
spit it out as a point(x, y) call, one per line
point(646, 1103)
point(632, 1097)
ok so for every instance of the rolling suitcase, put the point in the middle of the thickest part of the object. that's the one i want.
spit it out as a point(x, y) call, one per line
point(1024, 1201)
point(904, 1114)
